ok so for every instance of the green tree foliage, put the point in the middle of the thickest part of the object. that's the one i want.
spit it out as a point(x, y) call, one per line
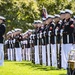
point(19, 13)
point(53, 6)
point(22, 13)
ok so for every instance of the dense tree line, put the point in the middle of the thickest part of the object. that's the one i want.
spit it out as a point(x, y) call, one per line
point(22, 13)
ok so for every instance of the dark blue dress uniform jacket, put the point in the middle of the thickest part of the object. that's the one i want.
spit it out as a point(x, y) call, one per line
point(58, 25)
point(18, 40)
point(68, 30)
point(51, 28)
point(2, 32)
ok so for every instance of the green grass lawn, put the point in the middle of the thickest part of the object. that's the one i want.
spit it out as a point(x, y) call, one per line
point(27, 68)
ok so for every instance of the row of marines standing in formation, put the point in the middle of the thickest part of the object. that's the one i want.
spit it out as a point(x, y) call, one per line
point(48, 44)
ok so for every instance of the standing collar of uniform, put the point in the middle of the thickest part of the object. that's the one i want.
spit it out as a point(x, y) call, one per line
point(57, 22)
point(50, 22)
point(63, 19)
point(44, 26)
point(68, 19)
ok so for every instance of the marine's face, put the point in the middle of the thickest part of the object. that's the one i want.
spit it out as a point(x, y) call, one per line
point(62, 16)
point(26, 35)
point(39, 24)
point(1, 20)
point(44, 22)
point(29, 32)
point(67, 16)
point(47, 22)
point(13, 33)
point(9, 35)
point(56, 19)
point(18, 32)
point(42, 26)
point(50, 20)
point(35, 25)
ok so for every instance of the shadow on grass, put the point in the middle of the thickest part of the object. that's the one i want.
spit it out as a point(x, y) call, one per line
point(36, 67)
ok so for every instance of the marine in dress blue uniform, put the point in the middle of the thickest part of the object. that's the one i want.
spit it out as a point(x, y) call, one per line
point(18, 49)
point(29, 44)
point(74, 31)
point(67, 35)
point(57, 36)
point(26, 45)
point(43, 42)
point(2, 32)
point(50, 28)
point(36, 46)
point(8, 44)
point(13, 43)
point(62, 17)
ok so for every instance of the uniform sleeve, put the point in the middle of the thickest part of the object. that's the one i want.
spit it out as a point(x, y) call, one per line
point(51, 27)
point(71, 22)
point(71, 27)
point(2, 30)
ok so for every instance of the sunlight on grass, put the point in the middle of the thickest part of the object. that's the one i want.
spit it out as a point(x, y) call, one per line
point(27, 68)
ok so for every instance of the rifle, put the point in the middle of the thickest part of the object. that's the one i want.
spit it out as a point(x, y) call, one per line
point(49, 34)
point(46, 47)
point(40, 50)
point(61, 35)
point(57, 48)
point(32, 49)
